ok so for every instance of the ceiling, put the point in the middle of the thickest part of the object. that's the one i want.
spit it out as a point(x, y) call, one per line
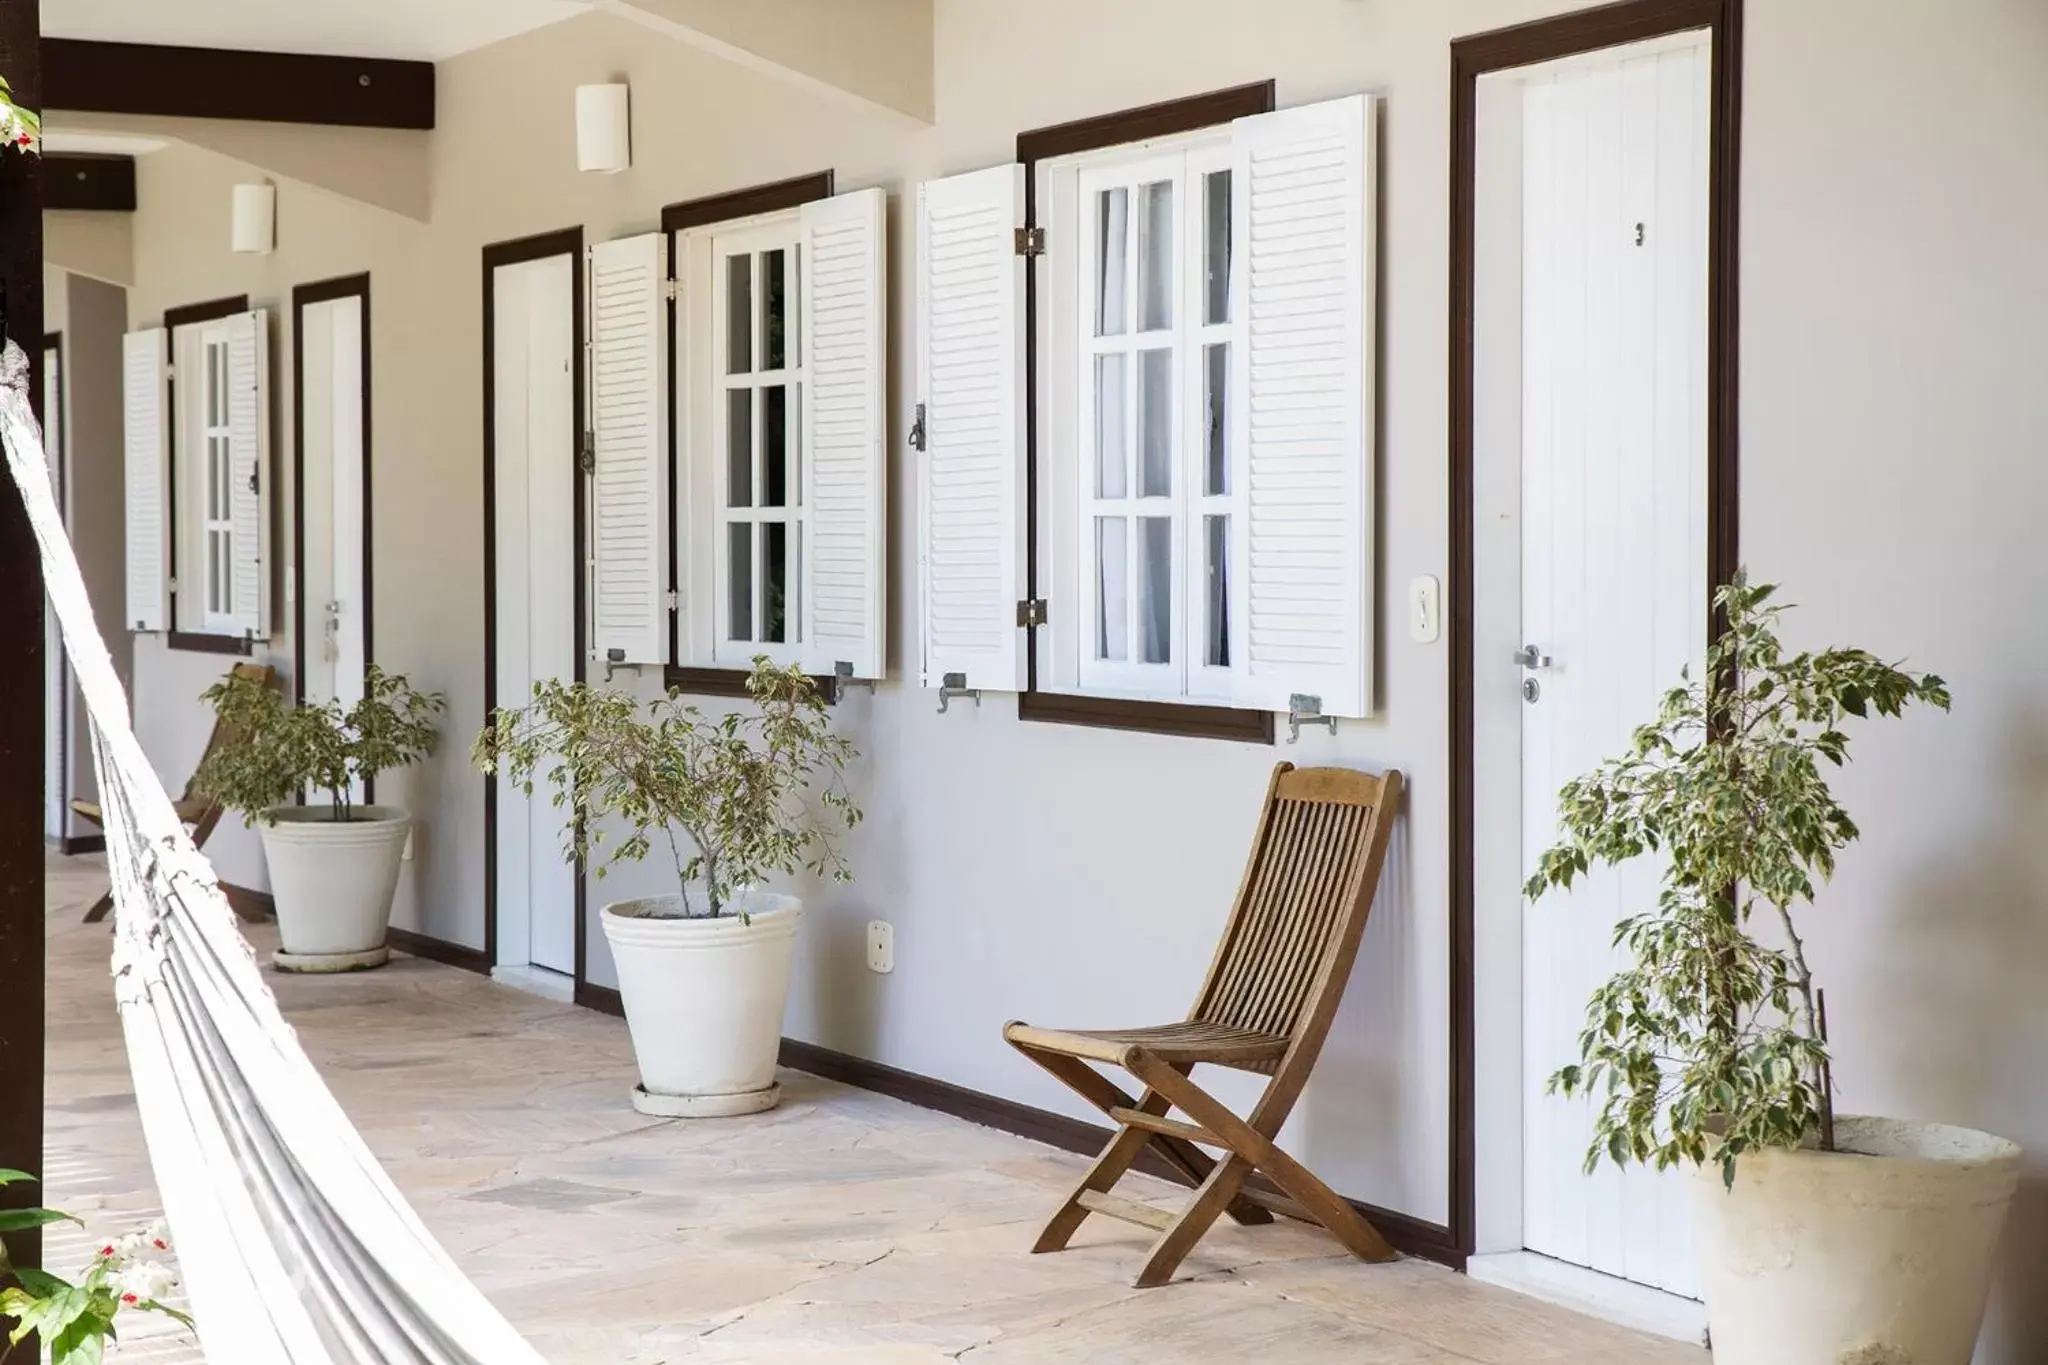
point(422, 30)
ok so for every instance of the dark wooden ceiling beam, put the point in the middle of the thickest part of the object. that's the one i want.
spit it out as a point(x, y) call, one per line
point(206, 82)
point(92, 184)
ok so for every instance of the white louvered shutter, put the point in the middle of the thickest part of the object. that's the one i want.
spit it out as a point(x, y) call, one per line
point(1303, 399)
point(249, 466)
point(844, 472)
point(629, 429)
point(970, 396)
point(147, 465)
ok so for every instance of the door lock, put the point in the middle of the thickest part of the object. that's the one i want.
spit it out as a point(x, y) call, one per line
point(1528, 656)
point(1531, 689)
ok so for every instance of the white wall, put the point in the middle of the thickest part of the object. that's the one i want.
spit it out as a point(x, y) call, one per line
point(1893, 296)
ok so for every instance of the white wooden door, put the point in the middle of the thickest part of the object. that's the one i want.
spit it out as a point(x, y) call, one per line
point(56, 675)
point(534, 449)
point(335, 589)
point(1614, 566)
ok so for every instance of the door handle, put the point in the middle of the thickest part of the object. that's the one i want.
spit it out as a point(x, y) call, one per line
point(1528, 656)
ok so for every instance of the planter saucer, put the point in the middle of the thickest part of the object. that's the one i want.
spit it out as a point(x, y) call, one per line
point(324, 963)
point(706, 1106)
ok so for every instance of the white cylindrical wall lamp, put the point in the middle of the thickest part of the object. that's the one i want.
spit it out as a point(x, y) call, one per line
point(604, 136)
point(254, 221)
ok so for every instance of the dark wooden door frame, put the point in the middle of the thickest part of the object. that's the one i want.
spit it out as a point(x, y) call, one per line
point(567, 242)
point(1504, 49)
point(305, 296)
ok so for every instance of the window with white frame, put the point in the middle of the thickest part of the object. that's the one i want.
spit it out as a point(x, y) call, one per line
point(196, 407)
point(1203, 434)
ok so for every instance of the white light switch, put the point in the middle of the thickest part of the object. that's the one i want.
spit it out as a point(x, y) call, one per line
point(1425, 611)
point(881, 946)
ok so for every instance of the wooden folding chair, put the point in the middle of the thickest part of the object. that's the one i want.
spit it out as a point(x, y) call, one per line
point(1272, 991)
point(195, 810)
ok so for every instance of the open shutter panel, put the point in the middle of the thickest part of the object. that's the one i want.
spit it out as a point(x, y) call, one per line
point(844, 283)
point(970, 389)
point(249, 465)
point(629, 429)
point(147, 466)
point(1303, 395)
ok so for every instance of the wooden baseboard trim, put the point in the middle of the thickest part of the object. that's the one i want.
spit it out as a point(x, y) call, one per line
point(440, 950)
point(1410, 1235)
point(72, 845)
point(251, 906)
point(605, 1000)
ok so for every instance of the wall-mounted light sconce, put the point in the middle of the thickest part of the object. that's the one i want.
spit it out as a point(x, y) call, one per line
point(604, 135)
point(254, 221)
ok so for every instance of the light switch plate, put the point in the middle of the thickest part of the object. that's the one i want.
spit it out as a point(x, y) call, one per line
point(1425, 611)
point(881, 946)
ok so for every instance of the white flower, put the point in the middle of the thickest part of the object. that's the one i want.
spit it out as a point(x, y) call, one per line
point(144, 1282)
point(150, 1244)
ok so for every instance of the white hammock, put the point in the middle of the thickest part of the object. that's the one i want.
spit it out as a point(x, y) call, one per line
point(295, 1246)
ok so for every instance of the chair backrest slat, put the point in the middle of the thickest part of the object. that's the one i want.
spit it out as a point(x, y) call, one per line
point(220, 735)
point(1302, 905)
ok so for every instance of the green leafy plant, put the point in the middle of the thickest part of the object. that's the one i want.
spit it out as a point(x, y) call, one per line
point(732, 785)
point(76, 1320)
point(276, 750)
point(19, 127)
point(1712, 1043)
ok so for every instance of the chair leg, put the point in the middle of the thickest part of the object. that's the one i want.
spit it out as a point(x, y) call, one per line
point(1109, 1168)
point(1217, 1194)
point(101, 908)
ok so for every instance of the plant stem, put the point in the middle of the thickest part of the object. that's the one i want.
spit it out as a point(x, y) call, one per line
point(1815, 1027)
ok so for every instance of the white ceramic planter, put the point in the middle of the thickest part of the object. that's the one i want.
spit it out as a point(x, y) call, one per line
point(333, 884)
point(704, 1000)
point(1877, 1254)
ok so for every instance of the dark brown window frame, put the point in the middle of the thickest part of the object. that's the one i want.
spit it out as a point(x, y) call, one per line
point(192, 315)
point(777, 196)
point(1543, 40)
point(564, 242)
point(1184, 719)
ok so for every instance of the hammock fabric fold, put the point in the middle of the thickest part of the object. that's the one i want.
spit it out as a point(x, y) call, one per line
point(295, 1246)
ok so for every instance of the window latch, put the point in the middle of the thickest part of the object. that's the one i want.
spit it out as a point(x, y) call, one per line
point(917, 434)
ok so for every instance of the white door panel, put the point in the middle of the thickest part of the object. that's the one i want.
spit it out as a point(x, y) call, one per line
point(1614, 566)
point(534, 445)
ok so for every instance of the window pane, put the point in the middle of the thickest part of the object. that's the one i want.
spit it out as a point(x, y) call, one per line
point(1111, 402)
point(1112, 590)
point(1216, 592)
point(739, 581)
point(1155, 256)
point(774, 310)
point(1216, 247)
point(739, 314)
point(1112, 237)
point(794, 418)
point(1155, 589)
point(739, 448)
point(774, 581)
point(1155, 423)
point(774, 446)
point(1216, 419)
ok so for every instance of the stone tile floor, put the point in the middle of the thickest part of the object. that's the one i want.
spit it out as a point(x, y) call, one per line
point(843, 1227)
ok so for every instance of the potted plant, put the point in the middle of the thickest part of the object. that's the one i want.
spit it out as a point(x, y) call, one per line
point(1822, 1238)
point(703, 970)
point(333, 863)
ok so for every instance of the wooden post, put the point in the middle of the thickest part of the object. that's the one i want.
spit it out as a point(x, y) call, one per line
point(21, 665)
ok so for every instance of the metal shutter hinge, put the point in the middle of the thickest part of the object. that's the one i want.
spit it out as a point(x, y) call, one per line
point(669, 290)
point(669, 600)
point(1303, 709)
point(1031, 613)
point(918, 438)
point(1030, 241)
point(587, 460)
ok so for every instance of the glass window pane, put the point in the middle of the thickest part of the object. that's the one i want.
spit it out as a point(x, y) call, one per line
point(1111, 462)
point(774, 310)
point(1155, 423)
point(739, 448)
point(774, 581)
point(739, 581)
point(1216, 247)
point(1216, 592)
point(1216, 419)
point(1112, 588)
point(774, 446)
point(1155, 256)
point(1155, 590)
point(794, 418)
point(739, 314)
point(1112, 240)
